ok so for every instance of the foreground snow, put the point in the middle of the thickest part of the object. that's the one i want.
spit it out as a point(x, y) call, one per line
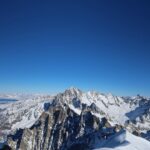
point(125, 141)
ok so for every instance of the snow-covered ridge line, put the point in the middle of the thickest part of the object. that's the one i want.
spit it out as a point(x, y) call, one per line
point(123, 141)
point(129, 112)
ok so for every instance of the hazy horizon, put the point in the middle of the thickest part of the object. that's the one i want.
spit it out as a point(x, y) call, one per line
point(52, 93)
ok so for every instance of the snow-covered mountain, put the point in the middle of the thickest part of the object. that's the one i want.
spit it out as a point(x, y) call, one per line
point(22, 113)
point(128, 113)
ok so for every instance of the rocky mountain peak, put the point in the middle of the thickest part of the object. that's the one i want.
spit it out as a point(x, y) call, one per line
point(72, 91)
point(60, 128)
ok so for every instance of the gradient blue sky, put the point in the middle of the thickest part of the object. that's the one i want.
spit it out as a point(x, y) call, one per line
point(47, 46)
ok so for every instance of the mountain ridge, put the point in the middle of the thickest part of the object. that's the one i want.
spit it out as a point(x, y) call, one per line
point(128, 112)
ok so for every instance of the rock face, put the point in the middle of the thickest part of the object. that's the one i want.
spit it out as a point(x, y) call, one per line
point(60, 128)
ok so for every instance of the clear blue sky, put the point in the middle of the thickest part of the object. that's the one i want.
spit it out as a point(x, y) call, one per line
point(47, 46)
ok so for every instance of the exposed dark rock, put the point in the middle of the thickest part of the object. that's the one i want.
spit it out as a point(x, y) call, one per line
point(6, 147)
point(60, 128)
point(136, 133)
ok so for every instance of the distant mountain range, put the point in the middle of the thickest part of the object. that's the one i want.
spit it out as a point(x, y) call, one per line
point(75, 120)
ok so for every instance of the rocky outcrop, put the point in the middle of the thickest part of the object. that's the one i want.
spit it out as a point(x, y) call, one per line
point(60, 128)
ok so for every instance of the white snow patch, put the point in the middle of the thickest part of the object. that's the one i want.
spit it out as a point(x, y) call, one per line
point(125, 141)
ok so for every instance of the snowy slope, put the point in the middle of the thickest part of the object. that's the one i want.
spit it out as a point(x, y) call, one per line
point(125, 141)
point(22, 113)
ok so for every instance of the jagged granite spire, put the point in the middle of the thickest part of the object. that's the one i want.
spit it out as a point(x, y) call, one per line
point(60, 128)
